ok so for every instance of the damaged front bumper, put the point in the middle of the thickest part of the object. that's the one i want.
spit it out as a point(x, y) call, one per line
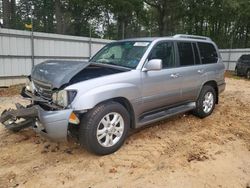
point(52, 124)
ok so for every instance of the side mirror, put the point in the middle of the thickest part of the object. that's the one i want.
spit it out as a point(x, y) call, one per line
point(153, 65)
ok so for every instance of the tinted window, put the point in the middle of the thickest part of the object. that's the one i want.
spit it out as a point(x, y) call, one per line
point(208, 53)
point(185, 53)
point(165, 52)
point(196, 54)
point(245, 57)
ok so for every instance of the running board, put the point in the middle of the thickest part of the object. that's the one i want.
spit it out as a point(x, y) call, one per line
point(165, 113)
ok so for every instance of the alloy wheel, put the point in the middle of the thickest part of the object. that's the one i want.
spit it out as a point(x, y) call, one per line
point(110, 129)
point(208, 102)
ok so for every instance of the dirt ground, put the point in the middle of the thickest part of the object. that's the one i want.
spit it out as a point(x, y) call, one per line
point(183, 151)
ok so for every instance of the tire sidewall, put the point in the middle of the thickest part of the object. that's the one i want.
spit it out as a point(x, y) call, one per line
point(90, 131)
point(199, 103)
point(236, 71)
point(248, 74)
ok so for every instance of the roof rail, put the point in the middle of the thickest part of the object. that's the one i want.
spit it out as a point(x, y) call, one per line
point(192, 37)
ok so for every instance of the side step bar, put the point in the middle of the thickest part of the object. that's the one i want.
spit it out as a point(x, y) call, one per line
point(165, 113)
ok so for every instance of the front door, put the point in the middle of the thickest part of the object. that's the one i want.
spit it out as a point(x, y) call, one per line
point(161, 88)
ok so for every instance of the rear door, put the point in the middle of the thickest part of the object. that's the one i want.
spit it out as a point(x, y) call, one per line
point(239, 65)
point(190, 69)
point(245, 64)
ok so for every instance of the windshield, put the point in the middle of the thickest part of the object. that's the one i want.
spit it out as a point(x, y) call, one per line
point(126, 54)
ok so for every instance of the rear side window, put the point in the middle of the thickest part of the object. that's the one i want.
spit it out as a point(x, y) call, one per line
point(208, 53)
point(185, 53)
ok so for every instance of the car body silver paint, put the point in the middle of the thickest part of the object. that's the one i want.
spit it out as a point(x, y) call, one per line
point(54, 122)
point(57, 73)
point(145, 90)
point(150, 89)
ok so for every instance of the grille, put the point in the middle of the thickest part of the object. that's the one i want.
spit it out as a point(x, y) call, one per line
point(43, 89)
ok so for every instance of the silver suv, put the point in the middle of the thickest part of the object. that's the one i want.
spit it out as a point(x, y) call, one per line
point(126, 85)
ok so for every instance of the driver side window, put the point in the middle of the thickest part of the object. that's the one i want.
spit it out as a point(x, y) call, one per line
point(165, 52)
point(114, 52)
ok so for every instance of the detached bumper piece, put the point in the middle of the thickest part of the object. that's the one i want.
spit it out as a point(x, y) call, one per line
point(52, 124)
point(18, 119)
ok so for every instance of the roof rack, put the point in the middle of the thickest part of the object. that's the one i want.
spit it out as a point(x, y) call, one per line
point(192, 37)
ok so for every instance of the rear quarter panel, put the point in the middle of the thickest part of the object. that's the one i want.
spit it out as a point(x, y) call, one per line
point(214, 72)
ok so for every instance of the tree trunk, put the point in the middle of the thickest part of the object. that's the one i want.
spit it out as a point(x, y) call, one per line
point(120, 27)
point(161, 23)
point(166, 25)
point(246, 36)
point(6, 13)
point(59, 18)
point(13, 19)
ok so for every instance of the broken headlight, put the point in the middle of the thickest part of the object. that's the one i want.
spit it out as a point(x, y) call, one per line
point(29, 86)
point(63, 97)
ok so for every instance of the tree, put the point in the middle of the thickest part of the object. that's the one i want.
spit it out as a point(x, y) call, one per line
point(225, 21)
point(9, 13)
point(6, 13)
point(59, 17)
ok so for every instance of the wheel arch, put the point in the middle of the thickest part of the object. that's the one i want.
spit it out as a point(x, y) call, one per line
point(248, 69)
point(126, 104)
point(213, 84)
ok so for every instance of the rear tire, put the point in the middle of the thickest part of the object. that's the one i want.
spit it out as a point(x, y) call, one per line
point(236, 71)
point(104, 129)
point(206, 102)
point(248, 74)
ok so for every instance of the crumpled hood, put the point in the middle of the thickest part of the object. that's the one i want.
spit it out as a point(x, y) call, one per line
point(57, 73)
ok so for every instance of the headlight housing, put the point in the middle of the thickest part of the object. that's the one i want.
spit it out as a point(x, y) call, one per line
point(29, 86)
point(63, 97)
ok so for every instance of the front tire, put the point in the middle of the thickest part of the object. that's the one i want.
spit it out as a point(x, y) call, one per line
point(104, 129)
point(206, 102)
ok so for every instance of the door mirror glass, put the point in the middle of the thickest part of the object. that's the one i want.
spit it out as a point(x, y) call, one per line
point(153, 65)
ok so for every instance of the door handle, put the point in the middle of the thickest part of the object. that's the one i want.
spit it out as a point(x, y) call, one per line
point(201, 71)
point(175, 75)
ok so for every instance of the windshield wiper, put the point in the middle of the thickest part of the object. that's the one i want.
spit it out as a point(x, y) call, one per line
point(108, 63)
point(111, 64)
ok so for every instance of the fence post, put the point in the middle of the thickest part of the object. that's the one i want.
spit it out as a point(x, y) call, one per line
point(32, 50)
point(229, 58)
point(90, 46)
point(229, 55)
point(32, 39)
